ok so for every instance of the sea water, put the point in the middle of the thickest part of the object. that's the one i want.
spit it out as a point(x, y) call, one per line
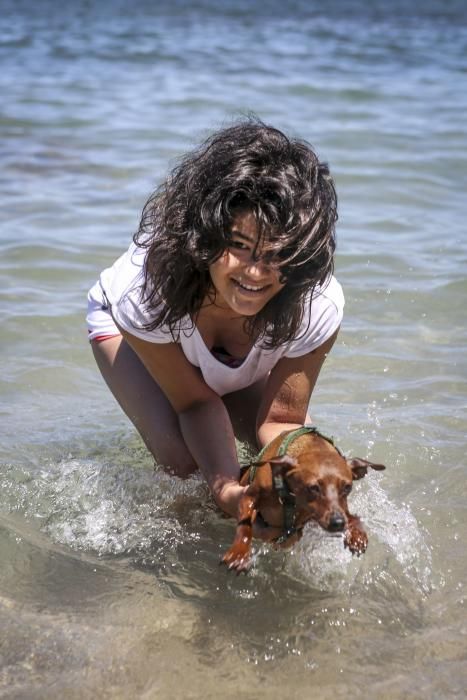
point(109, 578)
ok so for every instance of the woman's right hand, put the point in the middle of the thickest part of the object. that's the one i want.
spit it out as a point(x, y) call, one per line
point(228, 500)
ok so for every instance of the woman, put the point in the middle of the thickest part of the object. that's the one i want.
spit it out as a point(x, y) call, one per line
point(217, 319)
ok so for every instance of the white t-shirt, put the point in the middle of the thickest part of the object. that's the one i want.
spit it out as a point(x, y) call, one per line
point(122, 286)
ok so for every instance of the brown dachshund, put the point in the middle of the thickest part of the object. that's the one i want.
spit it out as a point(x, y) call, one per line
point(300, 476)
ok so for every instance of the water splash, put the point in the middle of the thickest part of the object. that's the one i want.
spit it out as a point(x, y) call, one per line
point(397, 545)
point(118, 507)
point(106, 508)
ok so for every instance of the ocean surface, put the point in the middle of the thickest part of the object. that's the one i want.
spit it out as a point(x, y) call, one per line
point(109, 578)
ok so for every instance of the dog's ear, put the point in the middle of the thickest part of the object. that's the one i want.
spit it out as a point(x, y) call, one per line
point(360, 467)
point(285, 460)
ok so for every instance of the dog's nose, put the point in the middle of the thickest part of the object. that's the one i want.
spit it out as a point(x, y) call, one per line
point(336, 522)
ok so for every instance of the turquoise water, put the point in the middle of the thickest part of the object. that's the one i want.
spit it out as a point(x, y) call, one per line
point(109, 584)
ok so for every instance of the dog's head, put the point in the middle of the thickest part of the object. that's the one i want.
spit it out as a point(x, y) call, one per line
point(321, 486)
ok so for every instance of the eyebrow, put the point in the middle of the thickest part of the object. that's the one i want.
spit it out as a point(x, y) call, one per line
point(245, 236)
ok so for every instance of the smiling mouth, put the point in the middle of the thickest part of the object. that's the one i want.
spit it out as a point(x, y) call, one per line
point(250, 287)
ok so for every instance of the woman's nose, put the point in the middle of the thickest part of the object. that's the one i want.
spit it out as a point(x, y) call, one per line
point(257, 268)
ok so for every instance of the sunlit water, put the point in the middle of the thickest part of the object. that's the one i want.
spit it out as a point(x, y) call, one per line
point(109, 579)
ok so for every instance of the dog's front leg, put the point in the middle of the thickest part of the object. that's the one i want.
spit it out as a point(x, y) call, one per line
point(355, 537)
point(238, 556)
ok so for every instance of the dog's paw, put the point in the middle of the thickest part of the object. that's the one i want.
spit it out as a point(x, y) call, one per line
point(356, 541)
point(237, 558)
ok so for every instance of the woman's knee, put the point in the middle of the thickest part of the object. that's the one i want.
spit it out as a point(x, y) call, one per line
point(243, 407)
point(174, 459)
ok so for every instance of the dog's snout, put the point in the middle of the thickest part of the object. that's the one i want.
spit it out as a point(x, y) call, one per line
point(336, 522)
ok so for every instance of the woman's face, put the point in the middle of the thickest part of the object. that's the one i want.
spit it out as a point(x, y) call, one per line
point(242, 284)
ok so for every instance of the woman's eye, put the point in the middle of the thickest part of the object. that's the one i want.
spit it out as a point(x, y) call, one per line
point(238, 245)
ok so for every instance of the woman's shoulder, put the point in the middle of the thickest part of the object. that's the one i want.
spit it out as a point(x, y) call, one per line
point(122, 283)
point(125, 274)
point(329, 293)
point(322, 316)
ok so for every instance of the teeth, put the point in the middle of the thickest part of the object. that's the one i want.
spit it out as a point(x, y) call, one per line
point(249, 287)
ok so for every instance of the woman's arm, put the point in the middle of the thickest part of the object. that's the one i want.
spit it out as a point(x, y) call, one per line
point(285, 402)
point(203, 418)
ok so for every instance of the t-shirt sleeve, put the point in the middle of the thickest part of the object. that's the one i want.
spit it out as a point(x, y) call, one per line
point(322, 317)
point(122, 286)
point(130, 316)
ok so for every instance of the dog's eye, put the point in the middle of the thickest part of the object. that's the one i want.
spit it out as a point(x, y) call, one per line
point(313, 491)
point(346, 489)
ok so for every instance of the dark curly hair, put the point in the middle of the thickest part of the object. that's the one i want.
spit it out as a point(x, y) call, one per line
point(185, 225)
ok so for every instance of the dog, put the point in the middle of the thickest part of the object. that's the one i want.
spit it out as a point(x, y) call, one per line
point(300, 476)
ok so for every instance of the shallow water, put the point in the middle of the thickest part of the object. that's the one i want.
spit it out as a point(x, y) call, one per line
point(110, 585)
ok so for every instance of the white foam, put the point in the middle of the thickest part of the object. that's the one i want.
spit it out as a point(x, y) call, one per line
point(396, 544)
point(118, 508)
point(110, 509)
